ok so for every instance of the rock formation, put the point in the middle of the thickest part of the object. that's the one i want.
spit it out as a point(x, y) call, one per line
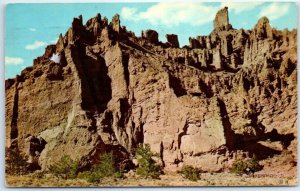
point(221, 21)
point(230, 94)
point(173, 40)
point(151, 36)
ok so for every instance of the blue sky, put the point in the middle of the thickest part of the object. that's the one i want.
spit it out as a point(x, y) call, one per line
point(31, 27)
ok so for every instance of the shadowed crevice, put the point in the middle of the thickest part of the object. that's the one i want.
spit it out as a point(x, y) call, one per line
point(228, 132)
point(180, 135)
point(176, 85)
point(15, 114)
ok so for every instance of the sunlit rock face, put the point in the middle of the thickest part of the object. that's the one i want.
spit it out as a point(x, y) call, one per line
point(101, 88)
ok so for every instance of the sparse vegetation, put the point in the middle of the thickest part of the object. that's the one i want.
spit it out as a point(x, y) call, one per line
point(66, 168)
point(190, 173)
point(247, 166)
point(286, 152)
point(147, 166)
point(38, 174)
point(15, 164)
point(173, 179)
point(106, 168)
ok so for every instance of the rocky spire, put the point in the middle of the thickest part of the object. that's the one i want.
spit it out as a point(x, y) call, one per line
point(77, 22)
point(94, 24)
point(60, 43)
point(115, 23)
point(263, 29)
point(221, 21)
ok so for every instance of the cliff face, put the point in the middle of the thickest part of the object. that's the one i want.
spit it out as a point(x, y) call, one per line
point(230, 94)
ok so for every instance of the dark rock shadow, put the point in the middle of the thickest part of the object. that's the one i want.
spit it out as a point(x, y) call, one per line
point(260, 151)
point(230, 136)
point(125, 110)
point(176, 85)
point(120, 156)
point(99, 83)
point(249, 143)
point(205, 88)
point(284, 139)
point(252, 146)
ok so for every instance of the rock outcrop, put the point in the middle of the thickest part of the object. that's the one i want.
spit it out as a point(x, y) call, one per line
point(221, 21)
point(173, 40)
point(151, 36)
point(223, 97)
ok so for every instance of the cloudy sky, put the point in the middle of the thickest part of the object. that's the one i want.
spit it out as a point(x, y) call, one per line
point(31, 27)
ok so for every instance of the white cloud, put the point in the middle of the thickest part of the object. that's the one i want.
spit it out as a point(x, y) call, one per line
point(275, 10)
point(13, 60)
point(32, 29)
point(129, 13)
point(35, 45)
point(55, 58)
point(173, 14)
point(239, 7)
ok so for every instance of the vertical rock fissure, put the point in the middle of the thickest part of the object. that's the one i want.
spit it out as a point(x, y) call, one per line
point(125, 60)
point(88, 99)
point(228, 132)
point(175, 84)
point(14, 119)
point(161, 153)
point(180, 135)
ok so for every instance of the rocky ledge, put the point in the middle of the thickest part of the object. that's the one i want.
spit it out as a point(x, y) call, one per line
point(227, 95)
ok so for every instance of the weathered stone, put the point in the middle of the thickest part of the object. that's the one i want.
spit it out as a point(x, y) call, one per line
point(77, 23)
point(173, 40)
point(221, 21)
point(194, 43)
point(208, 43)
point(263, 29)
point(115, 23)
point(105, 21)
point(217, 59)
point(60, 44)
point(151, 35)
point(94, 25)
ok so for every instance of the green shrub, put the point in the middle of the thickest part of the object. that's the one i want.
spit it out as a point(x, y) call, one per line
point(89, 176)
point(106, 168)
point(66, 168)
point(238, 167)
point(147, 167)
point(15, 164)
point(254, 165)
point(245, 166)
point(190, 173)
point(118, 174)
